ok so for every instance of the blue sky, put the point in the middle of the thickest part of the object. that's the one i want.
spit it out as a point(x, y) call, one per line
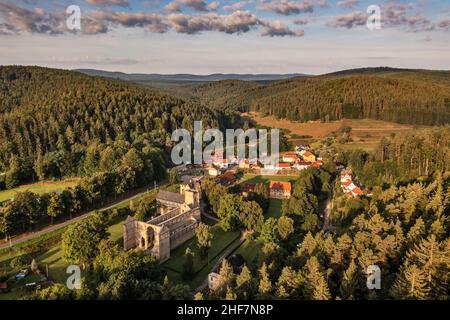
point(201, 37)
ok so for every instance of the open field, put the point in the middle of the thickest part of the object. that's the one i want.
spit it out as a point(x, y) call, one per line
point(39, 187)
point(366, 133)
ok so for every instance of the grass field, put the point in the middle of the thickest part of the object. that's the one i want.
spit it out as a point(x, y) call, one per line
point(221, 240)
point(39, 188)
point(255, 179)
point(366, 133)
point(274, 210)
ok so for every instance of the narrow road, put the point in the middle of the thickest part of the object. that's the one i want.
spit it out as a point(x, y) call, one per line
point(236, 244)
point(328, 207)
point(54, 227)
point(203, 212)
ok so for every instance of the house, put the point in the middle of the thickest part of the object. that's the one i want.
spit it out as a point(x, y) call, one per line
point(300, 148)
point(214, 281)
point(212, 171)
point(308, 156)
point(290, 157)
point(226, 178)
point(221, 163)
point(244, 164)
point(348, 184)
point(280, 189)
point(357, 192)
point(256, 166)
point(317, 164)
point(301, 165)
point(283, 166)
point(346, 175)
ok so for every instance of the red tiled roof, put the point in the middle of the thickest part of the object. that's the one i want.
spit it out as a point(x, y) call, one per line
point(347, 183)
point(280, 186)
point(284, 165)
point(290, 154)
point(357, 191)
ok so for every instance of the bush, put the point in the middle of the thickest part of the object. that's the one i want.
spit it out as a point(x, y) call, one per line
point(21, 261)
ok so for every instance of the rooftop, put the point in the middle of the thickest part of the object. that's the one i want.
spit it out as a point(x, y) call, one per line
point(170, 196)
point(280, 186)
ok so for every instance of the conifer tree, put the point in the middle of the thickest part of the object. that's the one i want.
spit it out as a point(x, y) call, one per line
point(350, 282)
point(411, 283)
point(316, 286)
point(245, 284)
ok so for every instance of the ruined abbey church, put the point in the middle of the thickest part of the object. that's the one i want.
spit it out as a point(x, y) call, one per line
point(178, 215)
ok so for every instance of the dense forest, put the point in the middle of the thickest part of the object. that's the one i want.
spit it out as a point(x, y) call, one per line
point(402, 158)
point(403, 229)
point(405, 96)
point(56, 123)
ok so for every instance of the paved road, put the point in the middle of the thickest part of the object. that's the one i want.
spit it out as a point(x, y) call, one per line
point(54, 227)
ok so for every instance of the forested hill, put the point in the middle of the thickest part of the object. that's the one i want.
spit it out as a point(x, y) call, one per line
point(60, 114)
point(406, 96)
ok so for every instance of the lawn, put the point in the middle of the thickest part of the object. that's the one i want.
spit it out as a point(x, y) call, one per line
point(255, 179)
point(222, 239)
point(39, 188)
point(250, 251)
point(274, 210)
point(251, 247)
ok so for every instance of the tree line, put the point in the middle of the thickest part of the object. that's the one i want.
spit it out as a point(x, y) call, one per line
point(419, 98)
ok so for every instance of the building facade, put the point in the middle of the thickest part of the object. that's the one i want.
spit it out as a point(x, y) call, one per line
point(178, 215)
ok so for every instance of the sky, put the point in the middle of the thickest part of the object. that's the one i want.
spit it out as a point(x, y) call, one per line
point(223, 36)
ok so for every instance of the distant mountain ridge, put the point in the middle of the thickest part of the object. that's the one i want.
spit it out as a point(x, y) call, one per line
point(187, 77)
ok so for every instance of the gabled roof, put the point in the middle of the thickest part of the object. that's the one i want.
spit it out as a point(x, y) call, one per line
point(347, 183)
point(357, 191)
point(280, 186)
point(284, 165)
point(170, 197)
point(290, 154)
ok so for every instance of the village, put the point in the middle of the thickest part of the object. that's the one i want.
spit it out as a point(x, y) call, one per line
point(226, 171)
point(179, 213)
point(244, 177)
